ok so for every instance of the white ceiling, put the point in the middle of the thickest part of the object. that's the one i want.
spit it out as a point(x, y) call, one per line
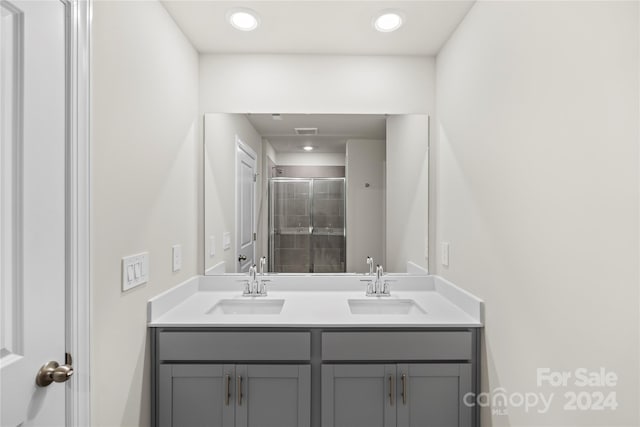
point(319, 27)
point(333, 130)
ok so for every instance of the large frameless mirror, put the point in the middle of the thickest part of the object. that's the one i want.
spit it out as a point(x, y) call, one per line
point(315, 193)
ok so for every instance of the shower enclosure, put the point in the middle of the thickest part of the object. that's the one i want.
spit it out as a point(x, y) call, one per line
point(307, 225)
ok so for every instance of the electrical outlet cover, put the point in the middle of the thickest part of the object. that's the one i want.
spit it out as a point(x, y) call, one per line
point(176, 255)
point(445, 253)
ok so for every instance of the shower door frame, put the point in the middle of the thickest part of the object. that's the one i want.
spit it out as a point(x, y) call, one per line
point(271, 245)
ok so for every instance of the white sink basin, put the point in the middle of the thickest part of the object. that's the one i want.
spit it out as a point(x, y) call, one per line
point(385, 306)
point(247, 306)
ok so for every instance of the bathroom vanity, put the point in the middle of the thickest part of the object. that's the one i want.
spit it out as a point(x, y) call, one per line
point(315, 352)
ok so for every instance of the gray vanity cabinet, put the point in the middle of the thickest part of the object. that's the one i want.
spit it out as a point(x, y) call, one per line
point(234, 395)
point(297, 377)
point(274, 396)
point(432, 395)
point(358, 396)
point(232, 379)
point(403, 395)
point(360, 388)
point(195, 396)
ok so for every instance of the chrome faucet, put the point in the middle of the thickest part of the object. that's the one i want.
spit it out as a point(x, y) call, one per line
point(263, 262)
point(380, 286)
point(369, 282)
point(255, 287)
point(370, 263)
point(262, 287)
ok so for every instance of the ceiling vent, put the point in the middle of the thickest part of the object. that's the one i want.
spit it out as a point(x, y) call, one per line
point(306, 131)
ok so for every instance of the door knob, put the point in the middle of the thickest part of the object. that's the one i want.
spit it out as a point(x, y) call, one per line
point(52, 372)
point(242, 257)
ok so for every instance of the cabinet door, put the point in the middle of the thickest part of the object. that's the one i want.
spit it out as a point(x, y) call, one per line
point(431, 395)
point(273, 395)
point(196, 395)
point(358, 396)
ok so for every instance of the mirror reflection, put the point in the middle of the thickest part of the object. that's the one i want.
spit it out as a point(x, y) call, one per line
point(315, 193)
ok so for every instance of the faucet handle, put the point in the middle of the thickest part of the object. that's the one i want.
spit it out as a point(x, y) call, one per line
point(246, 288)
point(369, 290)
point(385, 288)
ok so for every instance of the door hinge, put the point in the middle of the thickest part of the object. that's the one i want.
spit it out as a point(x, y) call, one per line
point(255, 177)
point(255, 237)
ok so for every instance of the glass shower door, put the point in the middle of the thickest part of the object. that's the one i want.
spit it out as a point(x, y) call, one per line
point(307, 225)
point(328, 239)
point(290, 225)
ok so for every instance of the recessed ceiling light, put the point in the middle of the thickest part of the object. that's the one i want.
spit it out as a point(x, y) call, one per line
point(308, 148)
point(388, 21)
point(243, 19)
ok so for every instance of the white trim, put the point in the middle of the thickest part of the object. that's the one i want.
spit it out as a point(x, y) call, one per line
point(219, 268)
point(11, 171)
point(240, 145)
point(78, 205)
point(416, 270)
point(160, 304)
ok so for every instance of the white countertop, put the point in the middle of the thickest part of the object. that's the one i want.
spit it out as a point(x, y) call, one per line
point(315, 301)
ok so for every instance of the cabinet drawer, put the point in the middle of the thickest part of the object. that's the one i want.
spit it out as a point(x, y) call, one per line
point(397, 345)
point(236, 346)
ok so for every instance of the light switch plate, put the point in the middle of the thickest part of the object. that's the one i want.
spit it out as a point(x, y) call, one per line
point(212, 246)
point(176, 256)
point(226, 240)
point(444, 253)
point(135, 270)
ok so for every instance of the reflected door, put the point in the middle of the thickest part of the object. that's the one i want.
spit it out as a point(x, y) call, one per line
point(32, 208)
point(245, 209)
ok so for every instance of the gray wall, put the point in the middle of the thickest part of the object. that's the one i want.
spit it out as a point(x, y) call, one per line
point(366, 228)
point(407, 186)
point(537, 185)
point(145, 175)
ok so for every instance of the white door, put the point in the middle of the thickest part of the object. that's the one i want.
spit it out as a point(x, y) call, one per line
point(246, 163)
point(32, 207)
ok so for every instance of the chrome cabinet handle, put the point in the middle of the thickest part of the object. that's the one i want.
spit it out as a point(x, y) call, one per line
point(228, 393)
point(239, 390)
point(391, 390)
point(404, 389)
